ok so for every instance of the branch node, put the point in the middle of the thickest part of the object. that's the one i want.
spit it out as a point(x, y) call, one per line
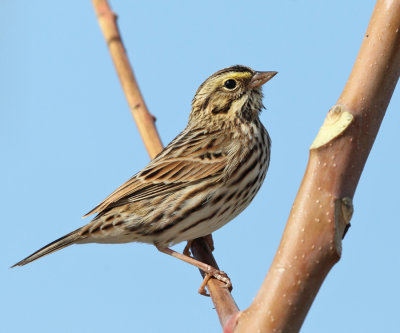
point(347, 211)
point(343, 213)
point(336, 122)
point(113, 39)
point(136, 106)
point(114, 16)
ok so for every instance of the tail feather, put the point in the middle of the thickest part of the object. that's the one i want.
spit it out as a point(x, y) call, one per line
point(58, 244)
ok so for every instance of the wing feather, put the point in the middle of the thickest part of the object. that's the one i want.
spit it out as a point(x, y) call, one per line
point(193, 156)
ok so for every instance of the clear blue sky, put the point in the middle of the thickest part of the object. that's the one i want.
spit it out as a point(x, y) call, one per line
point(67, 140)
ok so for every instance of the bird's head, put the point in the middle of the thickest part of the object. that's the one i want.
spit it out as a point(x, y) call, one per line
point(230, 95)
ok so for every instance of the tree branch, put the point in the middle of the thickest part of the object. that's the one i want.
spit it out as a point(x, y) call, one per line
point(320, 216)
point(222, 299)
point(144, 120)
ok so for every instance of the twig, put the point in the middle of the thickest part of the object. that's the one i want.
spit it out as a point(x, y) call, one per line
point(144, 120)
point(320, 216)
point(218, 292)
point(222, 299)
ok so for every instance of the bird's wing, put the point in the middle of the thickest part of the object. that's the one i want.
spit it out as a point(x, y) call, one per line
point(191, 157)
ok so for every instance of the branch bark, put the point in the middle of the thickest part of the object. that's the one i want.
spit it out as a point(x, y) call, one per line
point(221, 297)
point(321, 213)
point(144, 120)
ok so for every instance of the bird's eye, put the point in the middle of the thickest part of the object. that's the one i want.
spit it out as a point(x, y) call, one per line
point(230, 84)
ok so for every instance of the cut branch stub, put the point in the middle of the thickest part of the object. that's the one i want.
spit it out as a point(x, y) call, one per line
point(336, 122)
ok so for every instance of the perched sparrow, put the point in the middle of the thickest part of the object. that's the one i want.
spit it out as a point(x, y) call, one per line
point(204, 178)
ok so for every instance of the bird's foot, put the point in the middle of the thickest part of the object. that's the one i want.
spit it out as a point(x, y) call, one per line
point(217, 274)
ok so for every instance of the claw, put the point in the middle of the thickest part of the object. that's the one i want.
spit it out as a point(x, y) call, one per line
point(210, 272)
point(202, 289)
point(220, 276)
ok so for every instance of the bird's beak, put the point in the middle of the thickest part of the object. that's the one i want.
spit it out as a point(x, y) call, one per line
point(259, 78)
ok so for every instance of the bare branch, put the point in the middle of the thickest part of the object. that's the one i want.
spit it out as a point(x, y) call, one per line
point(144, 120)
point(219, 293)
point(320, 216)
point(222, 299)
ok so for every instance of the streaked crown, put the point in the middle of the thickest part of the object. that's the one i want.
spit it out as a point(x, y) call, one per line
point(229, 95)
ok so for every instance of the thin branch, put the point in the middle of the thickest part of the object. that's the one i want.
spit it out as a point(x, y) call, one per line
point(219, 294)
point(221, 297)
point(144, 120)
point(312, 241)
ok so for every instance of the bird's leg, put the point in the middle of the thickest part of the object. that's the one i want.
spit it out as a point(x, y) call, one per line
point(186, 250)
point(207, 269)
point(210, 241)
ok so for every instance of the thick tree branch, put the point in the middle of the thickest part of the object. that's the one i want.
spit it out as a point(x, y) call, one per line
point(222, 299)
point(311, 243)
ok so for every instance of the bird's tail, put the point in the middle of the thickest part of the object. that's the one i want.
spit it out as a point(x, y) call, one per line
point(58, 244)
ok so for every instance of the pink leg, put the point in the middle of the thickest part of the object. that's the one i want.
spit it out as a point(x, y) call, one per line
point(186, 250)
point(209, 270)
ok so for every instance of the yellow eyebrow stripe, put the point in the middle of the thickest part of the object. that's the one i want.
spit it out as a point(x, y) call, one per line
point(240, 75)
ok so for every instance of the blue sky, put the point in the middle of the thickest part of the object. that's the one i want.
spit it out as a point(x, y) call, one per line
point(67, 140)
